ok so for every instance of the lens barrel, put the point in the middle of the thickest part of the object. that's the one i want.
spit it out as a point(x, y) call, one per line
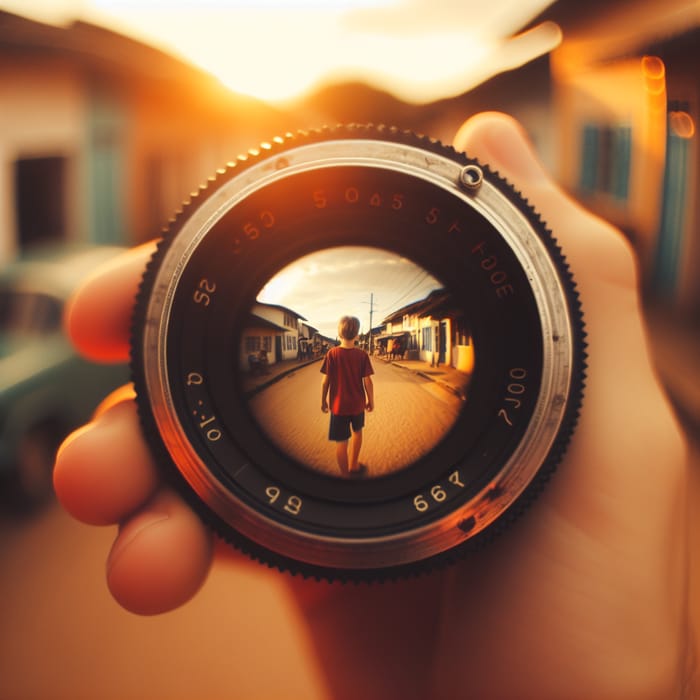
point(482, 296)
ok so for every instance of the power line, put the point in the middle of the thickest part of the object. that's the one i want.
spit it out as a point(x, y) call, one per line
point(421, 277)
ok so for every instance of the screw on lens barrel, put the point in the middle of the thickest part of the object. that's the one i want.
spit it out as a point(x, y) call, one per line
point(471, 177)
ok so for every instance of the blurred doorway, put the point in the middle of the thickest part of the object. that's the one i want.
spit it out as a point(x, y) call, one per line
point(40, 200)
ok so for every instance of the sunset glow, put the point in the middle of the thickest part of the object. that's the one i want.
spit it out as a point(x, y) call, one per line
point(420, 50)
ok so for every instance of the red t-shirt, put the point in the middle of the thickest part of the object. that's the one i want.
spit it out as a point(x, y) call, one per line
point(346, 368)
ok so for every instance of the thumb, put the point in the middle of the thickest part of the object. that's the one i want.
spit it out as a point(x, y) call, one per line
point(591, 244)
point(501, 142)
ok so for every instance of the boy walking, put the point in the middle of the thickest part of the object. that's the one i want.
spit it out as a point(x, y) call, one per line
point(347, 383)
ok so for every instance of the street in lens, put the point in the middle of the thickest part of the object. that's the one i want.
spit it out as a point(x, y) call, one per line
point(412, 413)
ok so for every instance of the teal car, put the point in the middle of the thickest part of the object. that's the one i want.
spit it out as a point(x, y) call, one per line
point(46, 389)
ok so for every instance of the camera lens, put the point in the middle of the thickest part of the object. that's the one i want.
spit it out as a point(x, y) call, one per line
point(441, 284)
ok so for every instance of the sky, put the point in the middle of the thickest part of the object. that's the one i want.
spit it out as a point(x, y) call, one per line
point(276, 50)
point(348, 281)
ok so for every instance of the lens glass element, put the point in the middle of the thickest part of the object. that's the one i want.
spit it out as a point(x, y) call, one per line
point(414, 357)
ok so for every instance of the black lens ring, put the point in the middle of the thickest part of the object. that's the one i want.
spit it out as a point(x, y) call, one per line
point(233, 282)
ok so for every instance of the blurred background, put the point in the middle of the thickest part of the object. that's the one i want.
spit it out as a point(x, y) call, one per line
point(111, 111)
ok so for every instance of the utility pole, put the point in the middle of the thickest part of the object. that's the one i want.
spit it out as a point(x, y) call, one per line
point(371, 313)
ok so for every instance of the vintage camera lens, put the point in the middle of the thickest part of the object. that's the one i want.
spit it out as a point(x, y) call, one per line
point(469, 322)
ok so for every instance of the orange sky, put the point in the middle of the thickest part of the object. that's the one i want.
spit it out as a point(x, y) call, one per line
point(420, 50)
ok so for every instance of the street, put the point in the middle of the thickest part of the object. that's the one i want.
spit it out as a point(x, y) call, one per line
point(411, 415)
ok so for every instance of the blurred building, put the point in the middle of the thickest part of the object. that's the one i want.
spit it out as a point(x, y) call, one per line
point(102, 137)
point(626, 93)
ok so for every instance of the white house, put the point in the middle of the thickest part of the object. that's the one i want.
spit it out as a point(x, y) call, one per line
point(273, 329)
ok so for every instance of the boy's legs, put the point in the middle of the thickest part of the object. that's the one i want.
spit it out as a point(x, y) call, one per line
point(339, 432)
point(341, 455)
point(355, 445)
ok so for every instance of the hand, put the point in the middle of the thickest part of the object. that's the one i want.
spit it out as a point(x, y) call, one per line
point(584, 598)
point(324, 406)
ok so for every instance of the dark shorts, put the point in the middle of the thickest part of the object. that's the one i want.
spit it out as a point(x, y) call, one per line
point(339, 429)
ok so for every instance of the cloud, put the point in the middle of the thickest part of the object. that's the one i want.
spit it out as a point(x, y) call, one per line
point(351, 280)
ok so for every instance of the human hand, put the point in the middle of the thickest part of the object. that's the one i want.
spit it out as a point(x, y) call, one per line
point(585, 597)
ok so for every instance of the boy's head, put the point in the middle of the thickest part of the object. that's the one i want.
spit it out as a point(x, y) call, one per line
point(349, 327)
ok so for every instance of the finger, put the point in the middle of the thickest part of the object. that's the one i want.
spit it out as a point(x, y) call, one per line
point(98, 316)
point(160, 558)
point(593, 244)
point(104, 470)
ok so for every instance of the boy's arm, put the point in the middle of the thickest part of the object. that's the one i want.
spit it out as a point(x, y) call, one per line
point(324, 393)
point(369, 391)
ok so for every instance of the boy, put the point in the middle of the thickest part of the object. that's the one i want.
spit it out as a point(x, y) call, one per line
point(347, 379)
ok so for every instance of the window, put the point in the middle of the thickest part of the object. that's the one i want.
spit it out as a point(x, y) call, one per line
point(462, 334)
point(252, 343)
point(590, 153)
point(606, 156)
point(676, 206)
point(428, 338)
point(620, 166)
point(40, 200)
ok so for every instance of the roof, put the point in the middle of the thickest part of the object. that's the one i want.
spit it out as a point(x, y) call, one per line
point(98, 46)
point(107, 54)
point(599, 30)
point(286, 310)
point(255, 321)
point(418, 307)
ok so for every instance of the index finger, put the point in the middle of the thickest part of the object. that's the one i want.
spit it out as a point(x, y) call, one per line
point(98, 316)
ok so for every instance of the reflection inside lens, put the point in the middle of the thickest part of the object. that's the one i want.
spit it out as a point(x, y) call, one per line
point(356, 361)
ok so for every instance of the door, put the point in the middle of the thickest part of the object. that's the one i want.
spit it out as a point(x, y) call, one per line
point(278, 348)
point(442, 357)
point(40, 200)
